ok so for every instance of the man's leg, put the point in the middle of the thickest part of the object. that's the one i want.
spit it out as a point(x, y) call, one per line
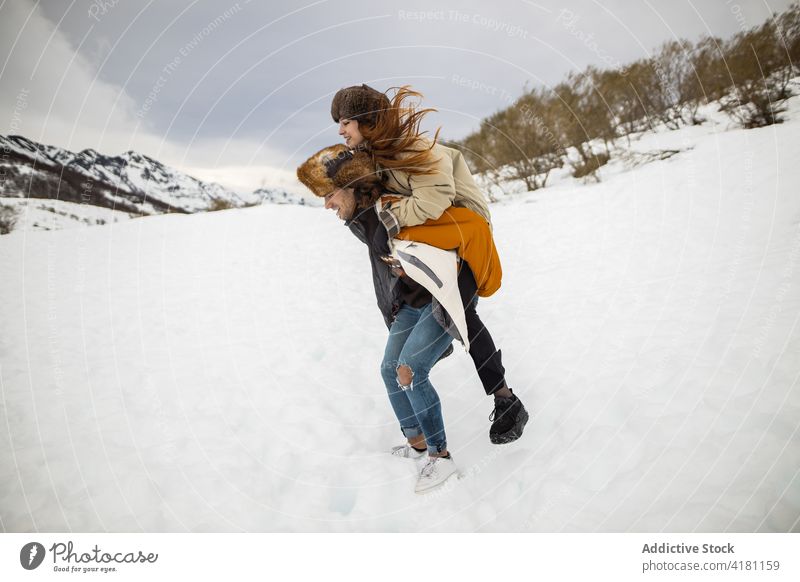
point(421, 348)
point(420, 352)
point(401, 329)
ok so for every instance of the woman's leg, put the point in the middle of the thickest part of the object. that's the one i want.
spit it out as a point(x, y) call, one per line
point(509, 416)
point(487, 359)
point(422, 348)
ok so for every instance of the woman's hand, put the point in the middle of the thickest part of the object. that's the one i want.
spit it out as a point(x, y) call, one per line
point(394, 265)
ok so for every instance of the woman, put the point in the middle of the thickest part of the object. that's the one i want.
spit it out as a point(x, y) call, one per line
point(427, 179)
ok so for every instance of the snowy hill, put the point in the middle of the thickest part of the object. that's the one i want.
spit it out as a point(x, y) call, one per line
point(92, 188)
point(276, 196)
point(220, 371)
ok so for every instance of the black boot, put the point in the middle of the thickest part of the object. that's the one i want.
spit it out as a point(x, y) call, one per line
point(508, 420)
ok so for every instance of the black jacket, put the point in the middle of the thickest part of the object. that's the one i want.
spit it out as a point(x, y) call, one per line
point(390, 291)
point(368, 229)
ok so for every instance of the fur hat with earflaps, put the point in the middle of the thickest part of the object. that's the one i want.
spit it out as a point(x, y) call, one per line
point(359, 102)
point(335, 167)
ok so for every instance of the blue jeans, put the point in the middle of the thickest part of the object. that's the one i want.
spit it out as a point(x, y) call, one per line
point(417, 341)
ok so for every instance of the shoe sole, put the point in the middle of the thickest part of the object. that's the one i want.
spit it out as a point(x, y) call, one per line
point(514, 433)
point(413, 456)
point(423, 456)
point(457, 475)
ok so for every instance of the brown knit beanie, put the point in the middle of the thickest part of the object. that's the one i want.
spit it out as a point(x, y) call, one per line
point(335, 167)
point(359, 102)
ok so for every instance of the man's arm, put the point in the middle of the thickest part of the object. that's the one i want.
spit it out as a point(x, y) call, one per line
point(377, 244)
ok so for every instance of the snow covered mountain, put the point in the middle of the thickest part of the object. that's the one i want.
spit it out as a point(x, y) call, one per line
point(277, 196)
point(220, 371)
point(78, 185)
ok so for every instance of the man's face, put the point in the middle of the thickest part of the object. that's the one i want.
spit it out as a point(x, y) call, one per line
point(343, 201)
point(348, 129)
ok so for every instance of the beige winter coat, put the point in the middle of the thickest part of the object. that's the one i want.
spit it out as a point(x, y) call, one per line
point(427, 196)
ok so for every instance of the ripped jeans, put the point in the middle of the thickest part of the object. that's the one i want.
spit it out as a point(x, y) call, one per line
point(417, 341)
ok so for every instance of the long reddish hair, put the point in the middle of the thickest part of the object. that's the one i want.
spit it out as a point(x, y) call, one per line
point(394, 139)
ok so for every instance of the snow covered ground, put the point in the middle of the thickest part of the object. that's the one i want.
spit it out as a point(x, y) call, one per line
point(219, 372)
point(36, 214)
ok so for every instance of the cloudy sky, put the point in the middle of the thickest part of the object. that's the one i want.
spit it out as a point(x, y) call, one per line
point(239, 91)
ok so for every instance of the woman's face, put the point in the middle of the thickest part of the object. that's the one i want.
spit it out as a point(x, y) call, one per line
point(348, 129)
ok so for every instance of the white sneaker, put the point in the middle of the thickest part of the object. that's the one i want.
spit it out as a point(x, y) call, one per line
point(406, 451)
point(435, 472)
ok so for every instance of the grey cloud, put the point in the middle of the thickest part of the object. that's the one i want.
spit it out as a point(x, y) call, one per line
point(263, 73)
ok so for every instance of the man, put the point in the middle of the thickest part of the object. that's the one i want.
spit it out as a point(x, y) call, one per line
point(347, 181)
point(416, 339)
